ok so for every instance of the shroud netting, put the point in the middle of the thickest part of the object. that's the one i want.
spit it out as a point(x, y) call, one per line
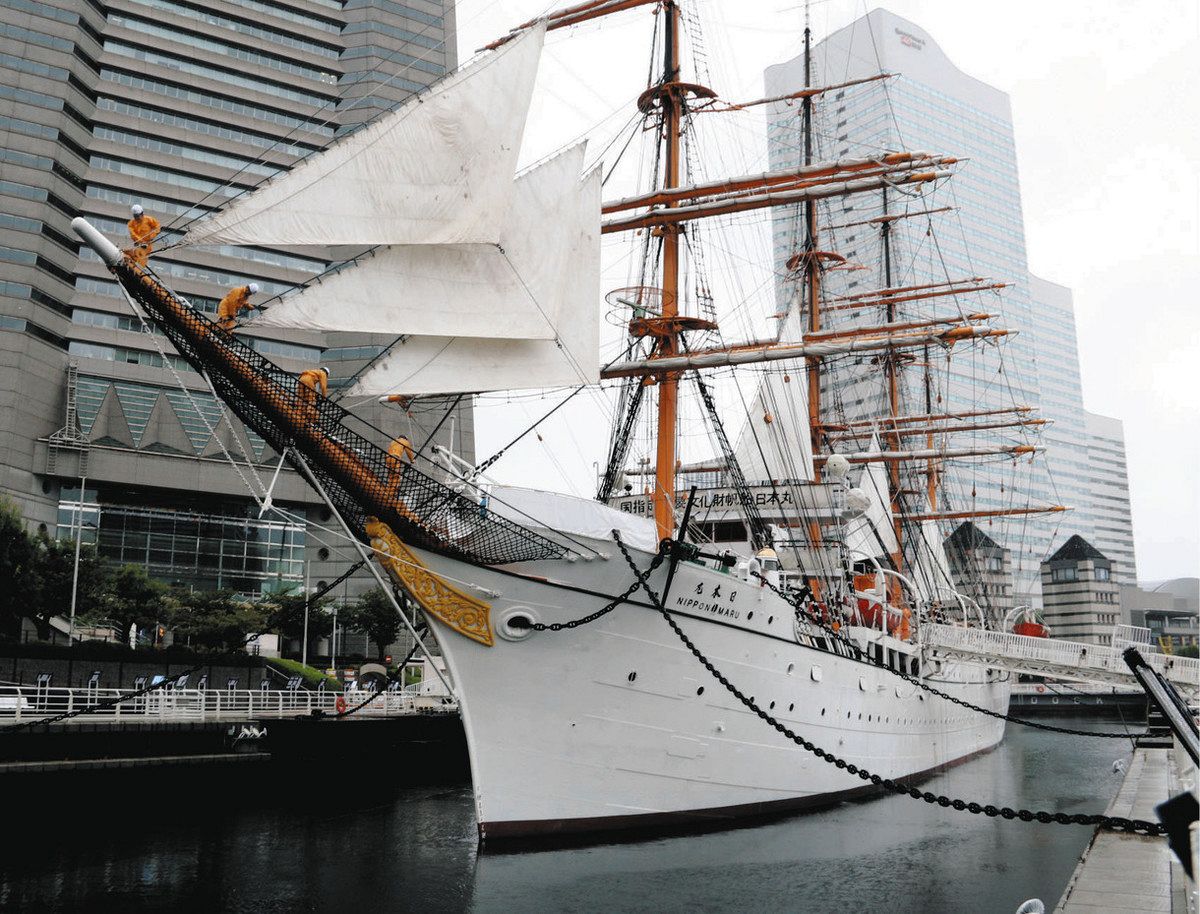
point(359, 476)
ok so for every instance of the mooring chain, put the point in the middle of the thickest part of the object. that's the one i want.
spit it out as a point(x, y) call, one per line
point(921, 684)
point(522, 622)
point(1005, 812)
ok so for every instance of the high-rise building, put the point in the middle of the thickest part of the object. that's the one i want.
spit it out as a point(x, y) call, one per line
point(1112, 520)
point(178, 105)
point(931, 105)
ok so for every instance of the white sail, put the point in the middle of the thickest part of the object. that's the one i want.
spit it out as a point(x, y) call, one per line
point(931, 568)
point(460, 364)
point(471, 290)
point(776, 442)
point(438, 170)
point(874, 533)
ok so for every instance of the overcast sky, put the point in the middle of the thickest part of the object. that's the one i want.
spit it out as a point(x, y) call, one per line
point(1108, 145)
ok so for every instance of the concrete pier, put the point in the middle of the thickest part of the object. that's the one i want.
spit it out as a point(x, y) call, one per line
point(1119, 873)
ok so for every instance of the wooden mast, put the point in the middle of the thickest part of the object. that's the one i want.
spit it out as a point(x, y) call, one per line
point(668, 382)
point(891, 370)
point(812, 268)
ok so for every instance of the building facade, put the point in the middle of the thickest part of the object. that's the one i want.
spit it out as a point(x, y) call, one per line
point(1082, 598)
point(982, 569)
point(1169, 609)
point(1108, 482)
point(177, 105)
point(976, 230)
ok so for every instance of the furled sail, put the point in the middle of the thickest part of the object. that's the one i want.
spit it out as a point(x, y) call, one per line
point(874, 533)
point(567, 294)
point(438, 170)
point(471, 290)
point(930, 569)
point(776, 442)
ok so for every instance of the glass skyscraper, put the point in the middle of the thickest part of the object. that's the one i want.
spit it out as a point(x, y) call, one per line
point(178, 105)
point(930, 105)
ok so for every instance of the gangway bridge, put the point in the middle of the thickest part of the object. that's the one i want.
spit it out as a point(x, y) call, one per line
point(1056, 658)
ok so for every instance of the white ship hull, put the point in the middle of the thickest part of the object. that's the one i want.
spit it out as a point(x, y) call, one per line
point(615, 725)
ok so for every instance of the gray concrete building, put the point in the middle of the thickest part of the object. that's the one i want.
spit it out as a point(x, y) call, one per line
point(1082, 598)
point(178, 105)
point(1170, 609)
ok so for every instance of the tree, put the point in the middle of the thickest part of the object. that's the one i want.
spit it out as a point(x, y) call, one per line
point(216, 620)
point(56, 579)
point(374, 614)
point(285, 614)
point(18, 568)
point(134, 598)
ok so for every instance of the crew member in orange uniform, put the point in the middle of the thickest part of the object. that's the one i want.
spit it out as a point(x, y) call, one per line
point(143, 229)
point(312, 383)
point(234, 303)
point(400, 452)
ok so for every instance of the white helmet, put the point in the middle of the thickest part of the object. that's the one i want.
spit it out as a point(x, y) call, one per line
point(136, 209)
point(253, 287)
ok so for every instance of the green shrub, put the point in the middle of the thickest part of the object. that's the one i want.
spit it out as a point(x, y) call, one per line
point(310, 676)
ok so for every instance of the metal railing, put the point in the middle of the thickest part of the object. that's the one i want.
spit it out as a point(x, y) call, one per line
point(25, 703)
point(1055, 656)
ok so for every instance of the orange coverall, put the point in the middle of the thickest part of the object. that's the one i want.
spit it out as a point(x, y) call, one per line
point(235, 301)
point(399, 453)
point(143, 229)
point(310, 382)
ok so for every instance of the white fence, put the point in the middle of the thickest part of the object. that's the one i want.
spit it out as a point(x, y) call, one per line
point(23, 703)
point(1056, 657)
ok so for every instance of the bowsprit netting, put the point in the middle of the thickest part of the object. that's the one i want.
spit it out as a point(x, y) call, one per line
point(360, 478)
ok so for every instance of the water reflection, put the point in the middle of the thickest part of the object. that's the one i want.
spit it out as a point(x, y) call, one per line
point(326, 839)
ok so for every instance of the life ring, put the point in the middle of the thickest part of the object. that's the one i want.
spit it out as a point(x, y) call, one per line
point(1041, 688)
point(340, 704)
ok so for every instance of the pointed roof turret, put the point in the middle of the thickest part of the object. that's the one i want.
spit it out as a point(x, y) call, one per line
point(967, 536)
point(1077, 549)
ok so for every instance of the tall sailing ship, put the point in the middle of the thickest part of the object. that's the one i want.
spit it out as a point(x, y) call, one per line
point(800, 560)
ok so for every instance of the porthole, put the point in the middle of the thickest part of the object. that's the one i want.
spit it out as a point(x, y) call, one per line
point(700, 691)
point(822, 712)
point(632, 676)
point(792, 707)
point(323, 554)
point(791, 668)
point(771, 707)
point(749, 615)
point(770, 619)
